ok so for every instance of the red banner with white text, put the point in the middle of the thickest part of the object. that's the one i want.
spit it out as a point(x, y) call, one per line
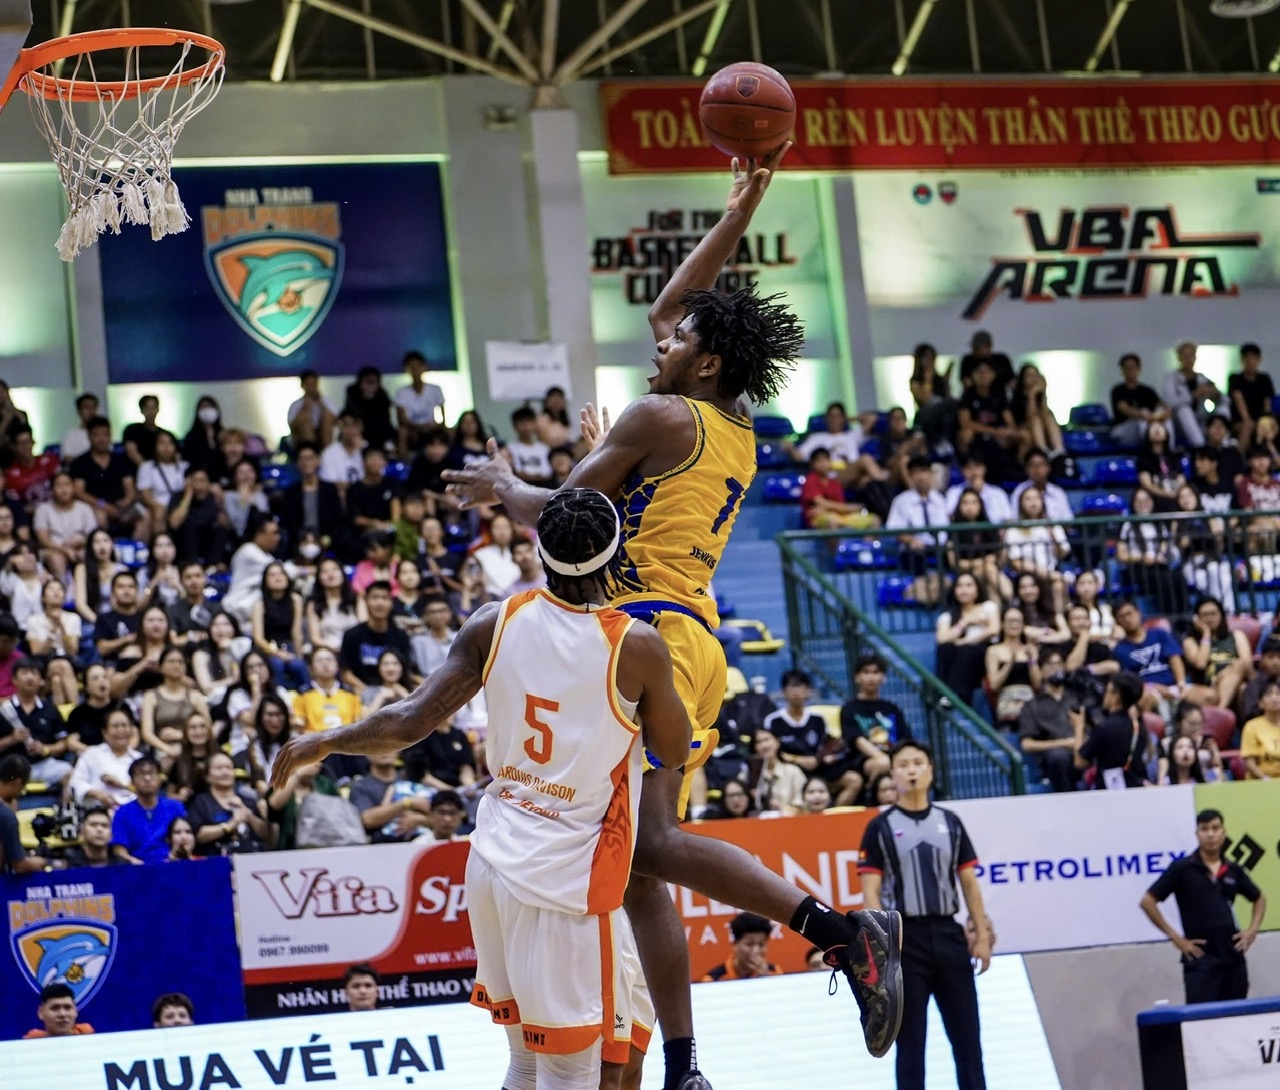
point(969, 124)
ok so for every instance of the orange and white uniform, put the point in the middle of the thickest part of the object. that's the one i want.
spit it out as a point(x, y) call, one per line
point(555, 831)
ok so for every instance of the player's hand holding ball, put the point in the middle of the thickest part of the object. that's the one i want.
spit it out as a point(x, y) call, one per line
point(748, 112)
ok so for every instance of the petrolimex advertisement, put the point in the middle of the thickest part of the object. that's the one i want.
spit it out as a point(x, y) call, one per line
point(306, 915)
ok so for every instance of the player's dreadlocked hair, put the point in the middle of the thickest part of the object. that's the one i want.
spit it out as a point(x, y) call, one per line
point(757, 340)
point(575, 531)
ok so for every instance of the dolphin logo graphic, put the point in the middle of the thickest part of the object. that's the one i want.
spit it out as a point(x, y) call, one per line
point(77, 955)
point(278, 287)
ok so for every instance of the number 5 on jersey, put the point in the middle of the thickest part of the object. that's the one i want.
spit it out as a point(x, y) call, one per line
point(539, 746)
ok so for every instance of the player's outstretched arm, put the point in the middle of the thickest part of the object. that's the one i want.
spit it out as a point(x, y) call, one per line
point(662, 714)
point(701, 268)
point(397, 726)
point(647, 422)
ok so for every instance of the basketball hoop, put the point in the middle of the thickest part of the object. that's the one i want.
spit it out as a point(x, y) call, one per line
point(116, 168)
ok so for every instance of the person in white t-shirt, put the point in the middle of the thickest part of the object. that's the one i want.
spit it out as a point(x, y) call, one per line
point(529, 456)
point(342, 461)
point(419, 406)
point(162, 478)
point(75, 441)
point(311, 418)
point(62, 526)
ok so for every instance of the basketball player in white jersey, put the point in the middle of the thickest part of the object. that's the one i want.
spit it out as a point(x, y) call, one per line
point(571, 684)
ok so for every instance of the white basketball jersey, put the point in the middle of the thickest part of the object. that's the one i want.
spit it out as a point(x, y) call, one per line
point(558, 821)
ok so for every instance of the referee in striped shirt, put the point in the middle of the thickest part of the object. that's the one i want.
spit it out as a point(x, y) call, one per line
point(912, 855)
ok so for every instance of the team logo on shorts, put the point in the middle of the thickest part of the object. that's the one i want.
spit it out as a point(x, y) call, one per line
point(275, 261)
point(77, 954)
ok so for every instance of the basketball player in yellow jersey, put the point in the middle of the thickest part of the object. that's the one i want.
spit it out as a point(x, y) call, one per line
point(677, 462)
point(570, 684)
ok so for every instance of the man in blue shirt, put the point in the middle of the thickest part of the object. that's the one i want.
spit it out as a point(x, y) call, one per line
point(1154, 655)
point(139, 826)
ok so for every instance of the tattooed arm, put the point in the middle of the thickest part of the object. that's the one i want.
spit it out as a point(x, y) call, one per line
point(398, 726)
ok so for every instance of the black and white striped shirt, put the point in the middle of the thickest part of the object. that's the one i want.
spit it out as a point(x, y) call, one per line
point(918, 853)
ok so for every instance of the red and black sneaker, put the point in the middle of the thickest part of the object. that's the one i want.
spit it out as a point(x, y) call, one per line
point(872, 964)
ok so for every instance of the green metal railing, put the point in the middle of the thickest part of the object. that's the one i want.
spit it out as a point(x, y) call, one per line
point(1240, 564)
point(829, 633)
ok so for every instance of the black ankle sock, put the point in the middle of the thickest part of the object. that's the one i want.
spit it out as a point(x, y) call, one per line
point(822, 926)
point(680, 1055)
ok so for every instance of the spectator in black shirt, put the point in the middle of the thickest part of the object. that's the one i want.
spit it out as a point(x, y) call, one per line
point(15, 770)
point(800, 732)
point(201, 443)
point(1217, 436)
point(197, 523)
point(88, 718)
point(1205, 886)
point(425, 472)
point(313, 506)
point(980, 351)
point(1268, 671)
point(190, 615)
point(95, 849)
point(362, 646)
point(1217, 495)
point(373, 502)
point(1133, 405)
point(140, 437)
point(1250, 391)
point(36, 724)
point(870, 726)
point(369, 401)
point(104, 480)
point(986, 424)
point(1044, 728)
point(1117, 744)
point(444, 759)
point(118, 625)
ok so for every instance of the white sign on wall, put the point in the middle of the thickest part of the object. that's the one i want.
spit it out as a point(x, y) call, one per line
point(456, 1047)
point(522, 370)
point(1064, 871)
point(1242, 1053)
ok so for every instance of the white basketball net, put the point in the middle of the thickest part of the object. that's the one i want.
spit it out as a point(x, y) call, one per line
point(116, 169)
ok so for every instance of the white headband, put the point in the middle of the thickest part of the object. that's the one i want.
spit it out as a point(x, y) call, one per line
point(585, 567)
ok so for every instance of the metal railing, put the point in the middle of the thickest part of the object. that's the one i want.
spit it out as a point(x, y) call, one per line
point(1165, 562)
point(829, 633)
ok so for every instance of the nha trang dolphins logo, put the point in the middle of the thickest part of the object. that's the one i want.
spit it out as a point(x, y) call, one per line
point(77, 954)
point(278, 287)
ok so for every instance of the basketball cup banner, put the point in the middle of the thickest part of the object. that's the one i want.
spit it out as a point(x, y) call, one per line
point(986, 124)
point(307, 915)
point(118, 937)
point(284, 268)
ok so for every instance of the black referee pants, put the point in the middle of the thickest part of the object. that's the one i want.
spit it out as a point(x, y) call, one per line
point(1211, 979)
point(935, 962)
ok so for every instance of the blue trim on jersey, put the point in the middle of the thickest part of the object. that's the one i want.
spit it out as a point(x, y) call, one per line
point(648, 611)
point(652, 757)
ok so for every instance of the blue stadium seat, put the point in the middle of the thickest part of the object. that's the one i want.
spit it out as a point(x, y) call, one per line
point(783, 487)
point(219, 583)
point(1119, 470)
point(817, 422)
point(54, 449)
point(1088, 468)
point(132, 554)
point(870, 447)
point(771, 456)
point(1104, 503)
point(864, 554)
point(1090, 416)
point(1087, 441)
point(772, 427)
point(397, 470)
point(893, 590)
point(279, 476)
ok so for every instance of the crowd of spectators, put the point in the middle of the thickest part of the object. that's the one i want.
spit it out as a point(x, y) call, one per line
point(173, 607)
point(1037, 624)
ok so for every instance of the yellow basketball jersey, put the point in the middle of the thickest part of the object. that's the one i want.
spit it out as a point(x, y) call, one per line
point(675, 525)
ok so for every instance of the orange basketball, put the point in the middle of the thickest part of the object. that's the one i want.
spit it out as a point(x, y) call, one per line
point(747, 110)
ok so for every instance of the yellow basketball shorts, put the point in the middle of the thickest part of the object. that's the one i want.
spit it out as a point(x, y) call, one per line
point(699, 670)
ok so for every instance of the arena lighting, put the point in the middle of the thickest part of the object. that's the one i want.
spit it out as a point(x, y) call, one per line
point(913, 36)
point(1108, 33)
point(1242, 9)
